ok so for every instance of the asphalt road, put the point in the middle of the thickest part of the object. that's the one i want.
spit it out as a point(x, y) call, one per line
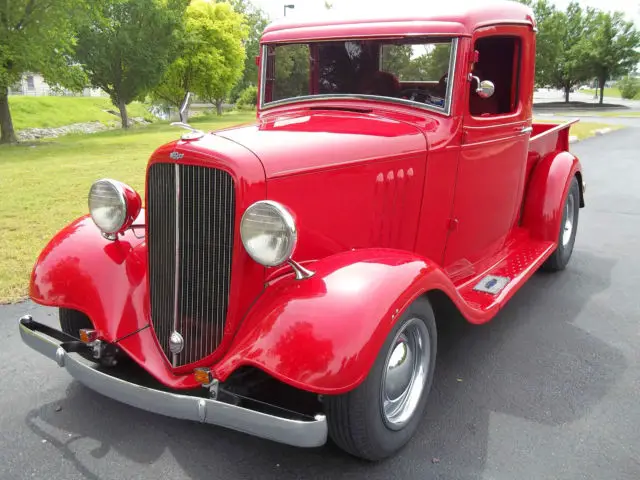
point(549, 390)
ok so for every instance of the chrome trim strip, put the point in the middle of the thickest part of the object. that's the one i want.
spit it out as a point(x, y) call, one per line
point(263, 72)
point(174, 356)
point(557, 128)
point(312, 433)
point(453, 59)
point(312, 98)
point(278, 103)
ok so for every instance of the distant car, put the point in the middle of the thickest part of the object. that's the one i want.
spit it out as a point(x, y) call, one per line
point(285, 277)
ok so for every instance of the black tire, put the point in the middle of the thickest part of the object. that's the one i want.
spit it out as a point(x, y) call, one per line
point(72, 321)
point(562, 254)
point(356, 420)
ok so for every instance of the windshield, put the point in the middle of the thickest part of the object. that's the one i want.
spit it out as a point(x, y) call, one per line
point(412, 70)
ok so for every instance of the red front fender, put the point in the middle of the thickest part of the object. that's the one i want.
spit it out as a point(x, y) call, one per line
point(79, 266)
point(107, 281)
point(322, 334)
point(546, 194)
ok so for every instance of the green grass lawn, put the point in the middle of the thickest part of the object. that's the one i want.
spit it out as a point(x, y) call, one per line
point(596, 113)
point(45, 112)
point(583, 130)
point(608, 92)
point(45, 186)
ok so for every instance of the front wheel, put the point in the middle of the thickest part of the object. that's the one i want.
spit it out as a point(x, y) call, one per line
point(568, 229)
point(380, 416)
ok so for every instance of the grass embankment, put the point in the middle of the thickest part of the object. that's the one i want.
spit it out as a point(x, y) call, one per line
point(47, 112)
point(45, 186)
point(583, 130)
point(595, 113)
point(608, 92)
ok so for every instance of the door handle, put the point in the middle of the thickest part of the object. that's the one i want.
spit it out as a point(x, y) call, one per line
point(526, 130)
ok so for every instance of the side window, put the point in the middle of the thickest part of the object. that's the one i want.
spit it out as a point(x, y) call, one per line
point(499, 62)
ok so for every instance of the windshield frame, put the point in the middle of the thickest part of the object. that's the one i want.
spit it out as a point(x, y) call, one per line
point(322, 97)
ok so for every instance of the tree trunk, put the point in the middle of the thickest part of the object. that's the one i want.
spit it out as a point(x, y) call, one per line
point(601, 85)
point(124, 118)
point(567, 89)
point(219, 106)
point(7, 135)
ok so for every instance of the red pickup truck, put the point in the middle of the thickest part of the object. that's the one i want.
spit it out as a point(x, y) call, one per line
point(284, 278)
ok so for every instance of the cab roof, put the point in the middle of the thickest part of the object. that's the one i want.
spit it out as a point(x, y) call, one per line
point(446, 18)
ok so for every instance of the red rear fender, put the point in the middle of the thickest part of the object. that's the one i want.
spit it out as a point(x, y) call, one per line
point(546, 193)
point(322, 334)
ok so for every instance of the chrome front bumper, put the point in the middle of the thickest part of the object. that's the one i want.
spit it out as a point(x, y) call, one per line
point(299, 433)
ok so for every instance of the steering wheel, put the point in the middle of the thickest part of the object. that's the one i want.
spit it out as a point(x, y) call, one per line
point(416, 95)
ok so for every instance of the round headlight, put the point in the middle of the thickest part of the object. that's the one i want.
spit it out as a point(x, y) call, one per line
point(268, 233)
point(108, 205)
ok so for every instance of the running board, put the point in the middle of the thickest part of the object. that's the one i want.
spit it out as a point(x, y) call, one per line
point(492, 288)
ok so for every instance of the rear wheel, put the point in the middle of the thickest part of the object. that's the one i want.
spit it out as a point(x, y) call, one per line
point(568, 229)
point(380, 416)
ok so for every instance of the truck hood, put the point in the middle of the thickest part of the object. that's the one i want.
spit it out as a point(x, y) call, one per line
point(314, 140)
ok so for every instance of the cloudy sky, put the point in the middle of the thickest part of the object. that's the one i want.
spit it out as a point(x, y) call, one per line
point(309, 7)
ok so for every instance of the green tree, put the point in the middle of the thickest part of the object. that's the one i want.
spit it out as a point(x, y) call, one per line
point(561, 45)
point(549, 40)
point(36, 36)
point(417, 62)
point(128, 47)
point(613, 46)
point(291, 77)
point(248, 97)
point(211, 55)
point(256, 20)
point(629, 87)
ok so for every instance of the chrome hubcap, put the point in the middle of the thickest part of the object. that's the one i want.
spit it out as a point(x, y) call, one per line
point(568, 221)
point(405, 373)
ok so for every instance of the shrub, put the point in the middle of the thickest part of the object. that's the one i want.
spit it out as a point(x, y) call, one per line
point(629, 87)
point(248, 98)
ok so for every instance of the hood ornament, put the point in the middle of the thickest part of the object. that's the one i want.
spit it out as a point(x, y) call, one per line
point(194, 133)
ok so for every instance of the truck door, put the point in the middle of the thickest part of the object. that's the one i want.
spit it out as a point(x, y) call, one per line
point(492, 160)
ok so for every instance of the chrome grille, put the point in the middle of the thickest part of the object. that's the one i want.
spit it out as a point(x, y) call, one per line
point(190, 240)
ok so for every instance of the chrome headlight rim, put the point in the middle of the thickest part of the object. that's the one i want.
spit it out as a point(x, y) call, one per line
point(122, 198)
point(289, 223)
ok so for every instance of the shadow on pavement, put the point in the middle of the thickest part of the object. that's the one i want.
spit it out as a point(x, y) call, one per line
point(531, 362)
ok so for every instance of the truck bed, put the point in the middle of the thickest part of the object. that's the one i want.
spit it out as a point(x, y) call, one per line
point(547, 138)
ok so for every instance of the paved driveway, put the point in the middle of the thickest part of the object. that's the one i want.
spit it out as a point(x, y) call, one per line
point(549, 390)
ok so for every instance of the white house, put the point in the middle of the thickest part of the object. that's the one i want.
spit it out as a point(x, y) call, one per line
point(34, 84)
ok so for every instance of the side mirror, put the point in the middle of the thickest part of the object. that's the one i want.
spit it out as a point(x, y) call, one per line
point(486, 89)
